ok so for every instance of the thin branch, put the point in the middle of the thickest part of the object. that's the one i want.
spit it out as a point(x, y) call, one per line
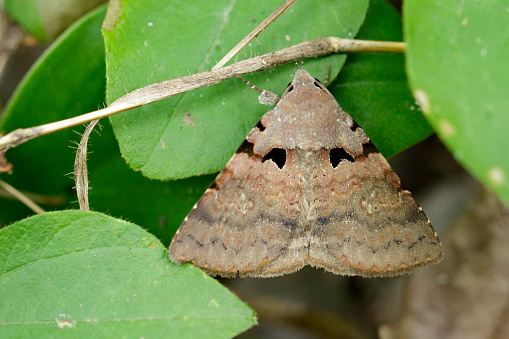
point(168, 88)
point(50, 200)
point(21, 197)
point(265, 23)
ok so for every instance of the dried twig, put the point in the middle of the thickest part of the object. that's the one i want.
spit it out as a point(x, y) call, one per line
point(21, 197)
point(168, 88)
point(5, 166)
point(265, 23)
point(80, 168)
point(46, 199)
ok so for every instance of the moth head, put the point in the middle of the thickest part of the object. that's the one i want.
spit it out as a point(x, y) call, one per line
point(303, 79)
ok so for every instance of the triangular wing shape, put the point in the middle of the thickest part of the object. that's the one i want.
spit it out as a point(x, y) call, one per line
point(306, 187)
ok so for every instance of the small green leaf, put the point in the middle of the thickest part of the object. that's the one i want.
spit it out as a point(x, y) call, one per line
point(83, 274)
point(457, 65)
point(196, 132)
point(373, 88)
point(47, 19)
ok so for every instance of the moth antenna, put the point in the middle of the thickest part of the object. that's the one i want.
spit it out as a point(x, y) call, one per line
point(302, 64)
point(249, 84)
point(297, 65)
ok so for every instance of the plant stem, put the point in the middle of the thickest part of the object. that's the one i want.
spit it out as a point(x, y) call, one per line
point(168, 88)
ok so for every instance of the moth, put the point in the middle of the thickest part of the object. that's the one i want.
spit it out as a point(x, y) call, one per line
point(306, 187)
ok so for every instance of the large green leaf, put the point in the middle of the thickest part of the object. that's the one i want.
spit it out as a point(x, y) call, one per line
point(196, 132)
point(83, 274)
point(373, 88)
point(457, 65)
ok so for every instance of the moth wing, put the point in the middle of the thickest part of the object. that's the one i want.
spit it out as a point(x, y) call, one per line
point(366, 223)
point(246, 223)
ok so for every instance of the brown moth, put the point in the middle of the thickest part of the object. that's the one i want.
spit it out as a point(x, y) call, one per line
point(306, 187)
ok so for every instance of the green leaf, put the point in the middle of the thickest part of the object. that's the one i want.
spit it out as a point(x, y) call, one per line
point(83, 274)
point(196, 132)
point(66, 81)
point(457, 65)
point(47, 19)
point(373, 88)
